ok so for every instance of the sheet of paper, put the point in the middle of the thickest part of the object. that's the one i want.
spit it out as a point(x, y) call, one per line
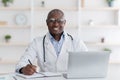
point(39, 75)
point(35, 75)
point(51, 74)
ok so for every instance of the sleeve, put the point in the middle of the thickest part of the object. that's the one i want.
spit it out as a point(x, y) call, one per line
point(82, 45)
point(79, 45)
point(30, 53)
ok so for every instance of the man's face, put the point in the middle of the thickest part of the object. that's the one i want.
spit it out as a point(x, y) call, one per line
point(56, 23)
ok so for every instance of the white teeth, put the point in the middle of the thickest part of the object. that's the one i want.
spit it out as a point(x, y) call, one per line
point(55, 28)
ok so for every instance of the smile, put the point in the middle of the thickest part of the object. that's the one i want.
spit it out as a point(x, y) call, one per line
point(55, 28)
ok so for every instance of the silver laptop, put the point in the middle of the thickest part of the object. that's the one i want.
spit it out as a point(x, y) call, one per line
point(87, 64)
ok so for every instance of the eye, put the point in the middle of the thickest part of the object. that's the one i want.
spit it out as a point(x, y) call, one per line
point(60, 20)
point(51, 20)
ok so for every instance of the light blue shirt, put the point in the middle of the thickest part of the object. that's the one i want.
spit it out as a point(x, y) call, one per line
point(57, 44)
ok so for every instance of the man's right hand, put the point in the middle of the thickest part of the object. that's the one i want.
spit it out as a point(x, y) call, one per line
point(29, 69)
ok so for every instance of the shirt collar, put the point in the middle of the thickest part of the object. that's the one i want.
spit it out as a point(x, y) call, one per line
point(52, 38)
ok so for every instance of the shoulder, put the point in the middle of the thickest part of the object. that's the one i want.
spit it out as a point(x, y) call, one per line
point(37, 40)
point(75, 38)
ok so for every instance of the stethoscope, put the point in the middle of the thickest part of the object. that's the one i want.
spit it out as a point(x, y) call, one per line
point(44, 45)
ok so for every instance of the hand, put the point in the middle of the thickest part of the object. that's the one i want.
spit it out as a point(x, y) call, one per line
point(29, 69)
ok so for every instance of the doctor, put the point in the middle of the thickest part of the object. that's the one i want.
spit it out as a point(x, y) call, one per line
point(51, 50)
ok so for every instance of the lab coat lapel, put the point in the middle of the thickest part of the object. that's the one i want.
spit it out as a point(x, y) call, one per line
point(63, 56)
point(49, 47)
point(66, 46)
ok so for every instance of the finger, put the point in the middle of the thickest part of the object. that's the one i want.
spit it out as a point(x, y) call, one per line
point(32, 68)
point(27, 71)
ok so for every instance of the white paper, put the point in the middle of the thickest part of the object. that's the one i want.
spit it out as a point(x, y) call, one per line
point(39, 75)
point(35, 75)
point(50, 74)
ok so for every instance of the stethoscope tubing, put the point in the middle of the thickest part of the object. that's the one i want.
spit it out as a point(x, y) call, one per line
point(44, 45)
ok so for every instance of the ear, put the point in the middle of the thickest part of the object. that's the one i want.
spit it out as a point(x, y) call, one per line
point(46, 22)
point(65, 22)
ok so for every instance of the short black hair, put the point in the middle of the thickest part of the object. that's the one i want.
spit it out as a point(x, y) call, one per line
point(55, 11)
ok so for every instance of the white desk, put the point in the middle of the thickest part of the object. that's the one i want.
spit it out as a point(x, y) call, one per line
point(113, 74)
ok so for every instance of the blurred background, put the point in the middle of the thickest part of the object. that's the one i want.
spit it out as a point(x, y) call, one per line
point(96, 22)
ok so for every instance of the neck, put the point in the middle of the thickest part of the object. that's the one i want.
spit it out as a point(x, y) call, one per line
point(57, 36)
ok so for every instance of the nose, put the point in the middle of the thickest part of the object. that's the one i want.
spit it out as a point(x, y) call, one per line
point(56, 23)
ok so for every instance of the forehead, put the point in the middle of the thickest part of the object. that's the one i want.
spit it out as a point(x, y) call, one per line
point(56, 15)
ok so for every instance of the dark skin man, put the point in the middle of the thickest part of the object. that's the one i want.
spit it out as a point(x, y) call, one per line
point(55, 22)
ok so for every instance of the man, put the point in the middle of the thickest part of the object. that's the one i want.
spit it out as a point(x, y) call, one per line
point(51, 50)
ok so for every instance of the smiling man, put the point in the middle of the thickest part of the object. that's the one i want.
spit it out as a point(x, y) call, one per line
point(51, 50)
point(56, 22)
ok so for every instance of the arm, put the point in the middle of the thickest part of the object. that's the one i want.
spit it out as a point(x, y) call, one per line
point(23, 65)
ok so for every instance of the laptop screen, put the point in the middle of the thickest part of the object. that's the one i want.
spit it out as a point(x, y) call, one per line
point(88, 64)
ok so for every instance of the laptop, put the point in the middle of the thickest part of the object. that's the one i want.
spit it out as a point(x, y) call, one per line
point(91, 64)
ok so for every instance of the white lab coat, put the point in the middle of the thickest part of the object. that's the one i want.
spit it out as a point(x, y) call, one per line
point(53, 62)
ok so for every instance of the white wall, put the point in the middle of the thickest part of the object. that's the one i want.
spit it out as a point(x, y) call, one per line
point(76, 18)
point(105, 24)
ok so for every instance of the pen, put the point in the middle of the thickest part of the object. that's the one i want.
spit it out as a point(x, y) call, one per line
point(31, 64)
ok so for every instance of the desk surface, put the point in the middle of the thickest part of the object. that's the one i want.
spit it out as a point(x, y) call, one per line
point(113, 74)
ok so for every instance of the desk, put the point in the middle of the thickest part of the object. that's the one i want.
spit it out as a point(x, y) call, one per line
point(113, 74)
